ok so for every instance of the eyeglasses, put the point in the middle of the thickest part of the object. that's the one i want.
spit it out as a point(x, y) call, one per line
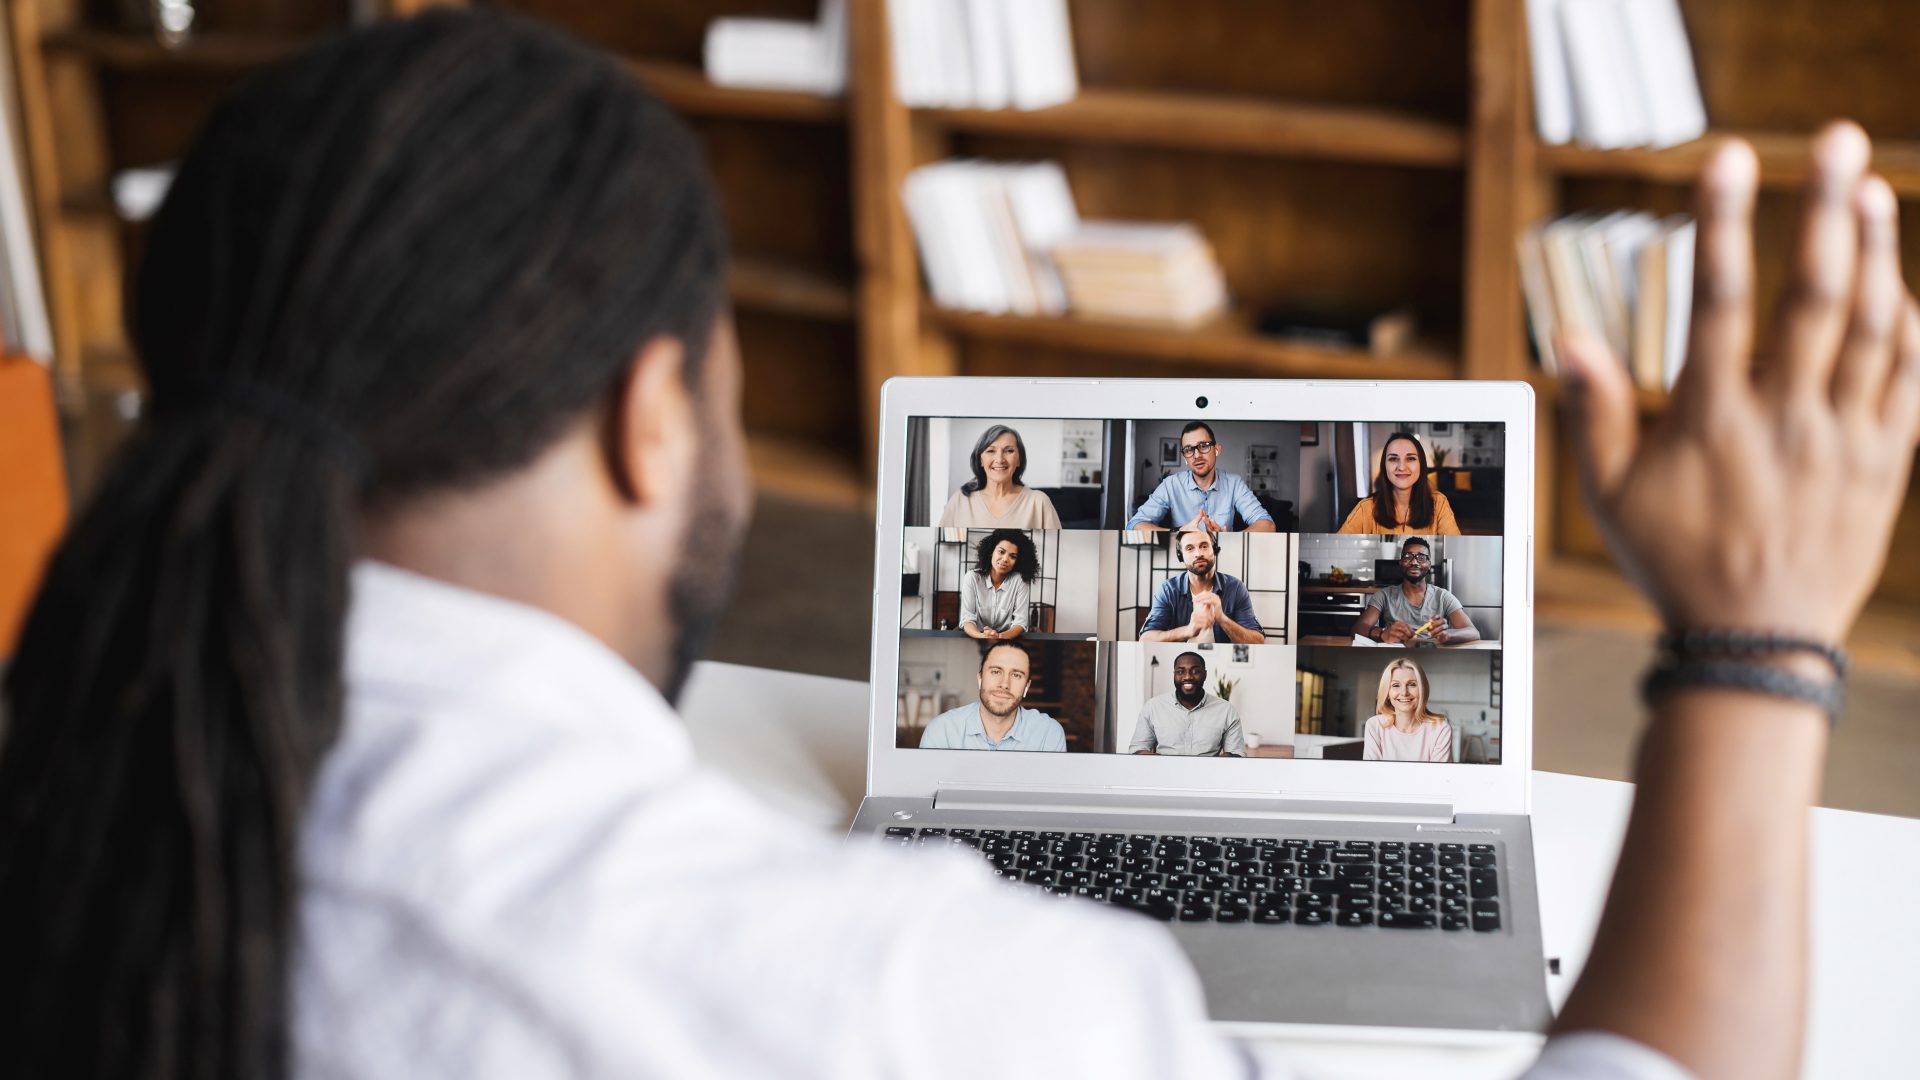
point(1417, 557)
point(1197, 449)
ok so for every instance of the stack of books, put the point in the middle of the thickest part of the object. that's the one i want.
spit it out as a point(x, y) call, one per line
point(982, 54)
point(986, 230)
point(1622, 278)
point(1141, 271)
point(1613, 73)
point(781, 54)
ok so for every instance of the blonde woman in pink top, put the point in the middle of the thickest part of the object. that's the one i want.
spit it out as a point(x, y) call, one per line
point(1403, 728)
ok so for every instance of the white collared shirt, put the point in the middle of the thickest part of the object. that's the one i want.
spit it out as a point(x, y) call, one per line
point(514, 867)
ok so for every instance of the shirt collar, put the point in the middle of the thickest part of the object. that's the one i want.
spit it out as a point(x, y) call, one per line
point(1194, 485)
point(416, 638)
point(977, 725)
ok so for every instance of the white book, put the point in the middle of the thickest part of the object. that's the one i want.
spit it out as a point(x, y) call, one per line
point(1680, 245)
point(1537, 288)
point(990, 288)
point(900, 49)
point(1609, 111)
point(26, 301)
point(1552, 92)
point(916, 72)
point(767, 54)
point(1045, 214)
point(987, 46)
point(921, 196)
point(1675, 111)
point(1042, 63)
point(1010, 252)
point(834, 45)
point(956, 55)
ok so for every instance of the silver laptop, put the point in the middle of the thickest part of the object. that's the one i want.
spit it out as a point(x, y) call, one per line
point(1185, 724)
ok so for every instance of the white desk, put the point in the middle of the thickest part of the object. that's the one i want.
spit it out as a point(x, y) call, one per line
point(800, 741)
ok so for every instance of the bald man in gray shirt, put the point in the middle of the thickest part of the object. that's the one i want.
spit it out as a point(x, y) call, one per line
point(1189, 722)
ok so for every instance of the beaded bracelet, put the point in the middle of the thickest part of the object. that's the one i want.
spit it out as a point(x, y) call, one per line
point(1748, 643)
point(1667, 678)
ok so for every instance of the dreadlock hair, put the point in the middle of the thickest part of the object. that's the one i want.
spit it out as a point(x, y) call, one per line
point(406, 261)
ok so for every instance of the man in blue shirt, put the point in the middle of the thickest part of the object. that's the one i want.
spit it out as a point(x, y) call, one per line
point(997, 721)
point(1203, 497)
point(1202, 600)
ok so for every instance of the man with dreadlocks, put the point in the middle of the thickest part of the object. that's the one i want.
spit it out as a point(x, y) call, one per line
point(341, 732)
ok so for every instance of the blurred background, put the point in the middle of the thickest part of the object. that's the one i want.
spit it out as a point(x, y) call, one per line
point(1392, 189)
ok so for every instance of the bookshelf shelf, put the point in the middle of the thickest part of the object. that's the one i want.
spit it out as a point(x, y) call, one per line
point(1783, 161)
point(1244, 125)
point(686, 89)
point(211, 51)
point(769, 285)
point(1227, 343)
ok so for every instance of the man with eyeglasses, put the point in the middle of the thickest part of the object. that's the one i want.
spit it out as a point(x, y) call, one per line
point(1202, 497)
point(1416, 612)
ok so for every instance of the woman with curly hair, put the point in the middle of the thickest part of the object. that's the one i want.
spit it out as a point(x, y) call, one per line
point(993, 595)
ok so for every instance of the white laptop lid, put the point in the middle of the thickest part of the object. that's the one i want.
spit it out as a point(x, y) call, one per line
point(1098, 450)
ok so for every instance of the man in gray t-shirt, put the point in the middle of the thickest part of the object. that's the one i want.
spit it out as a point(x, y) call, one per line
point(1416, 611)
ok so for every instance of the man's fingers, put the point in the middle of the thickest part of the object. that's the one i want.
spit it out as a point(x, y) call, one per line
point(1600, 410)
point(1815, 310)
point(1720, 346)
point(1900, 411)
point(1879, 299)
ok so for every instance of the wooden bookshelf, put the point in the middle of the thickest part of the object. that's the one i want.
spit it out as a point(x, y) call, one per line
point(1783, 161)
point(202, 53)
point(1239, 125)
point(1225, 346)
point(1382, 153)
point(687, 90)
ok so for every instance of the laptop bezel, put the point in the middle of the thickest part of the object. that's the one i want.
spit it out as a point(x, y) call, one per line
point(1503, 788)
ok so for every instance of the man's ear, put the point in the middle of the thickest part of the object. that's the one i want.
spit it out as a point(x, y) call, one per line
point(653, 430)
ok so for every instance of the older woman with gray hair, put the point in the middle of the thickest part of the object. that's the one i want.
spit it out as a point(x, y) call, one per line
point(996, 498)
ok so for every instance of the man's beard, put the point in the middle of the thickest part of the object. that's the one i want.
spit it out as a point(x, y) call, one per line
point(1199, 692)
point(703, 580)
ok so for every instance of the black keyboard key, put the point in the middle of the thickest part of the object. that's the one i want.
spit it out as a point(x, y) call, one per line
point(1419, 903)
point(1191, 912)
point(1453, 858)
point(1105, 864)
point(1148, 881)
point(1393, 858)
point(899, 830)
point(1358, 845)
point(1480, 859)
point(933, 832)
point(1453, 922)
point(1294, 845)
point(1076, 878)
point(1354, 918)
point(1038, 877)
point(1352, 873)
point(1453, 905)
point(1486, 884)
point(1394, 920)
point(1351, 858)
point(1108, 880)
point(1127, 896)
point(1228, 914)
point(1272, 913)
point(1453, 847)
point(1218, 881)
point(1023, 834)
point(1453, 873)
point(1183, 881)
point(1088, 892)
point(1358, 902)
point(1479, 847)
point(1032, 861)
point(1312, 916)
point(1162, 910)
point(1486, 916)
point(1308, 901)
point(1417, 872)
point(1420, 888)
point(1236, 898)
point(1316, 869)
point(1243, 866)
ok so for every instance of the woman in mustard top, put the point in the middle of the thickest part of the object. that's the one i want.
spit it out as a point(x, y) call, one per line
point(1402, 501)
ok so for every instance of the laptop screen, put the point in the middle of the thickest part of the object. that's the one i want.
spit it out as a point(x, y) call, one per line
point(1179, 587)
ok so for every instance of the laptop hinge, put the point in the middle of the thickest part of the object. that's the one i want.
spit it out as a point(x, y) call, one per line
point(1162, 802)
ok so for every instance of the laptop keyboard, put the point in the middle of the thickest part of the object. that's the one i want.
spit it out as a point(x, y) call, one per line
point(1400, 885)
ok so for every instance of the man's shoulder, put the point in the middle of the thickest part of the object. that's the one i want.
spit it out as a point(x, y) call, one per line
point(958, 715)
